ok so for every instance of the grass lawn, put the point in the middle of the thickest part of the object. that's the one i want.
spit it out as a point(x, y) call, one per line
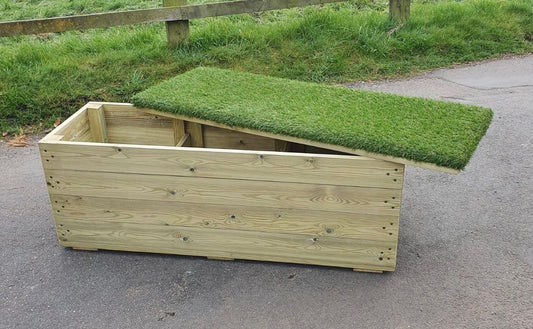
point(418, 129)
point(48, 76)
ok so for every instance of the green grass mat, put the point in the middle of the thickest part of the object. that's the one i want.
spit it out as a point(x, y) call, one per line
point(423, 130)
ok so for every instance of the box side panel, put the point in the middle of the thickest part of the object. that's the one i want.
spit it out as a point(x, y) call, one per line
point(221, 216)
point(227, 218)
point(207, 163)
point(75, 128)
point(281, 247)
point(226, 191)
point(131, 126)
point(228, 139)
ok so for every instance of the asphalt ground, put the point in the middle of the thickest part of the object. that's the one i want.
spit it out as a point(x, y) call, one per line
point(465, 256)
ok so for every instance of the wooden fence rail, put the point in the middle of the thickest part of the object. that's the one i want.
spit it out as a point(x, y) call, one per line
point(176, 14)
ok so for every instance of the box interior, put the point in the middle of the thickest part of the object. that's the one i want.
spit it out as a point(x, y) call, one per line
point(125, 124)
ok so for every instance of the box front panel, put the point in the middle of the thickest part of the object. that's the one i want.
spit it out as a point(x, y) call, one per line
point(304, 222)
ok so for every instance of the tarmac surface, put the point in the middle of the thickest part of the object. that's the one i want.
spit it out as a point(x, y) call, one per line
point(465, 256)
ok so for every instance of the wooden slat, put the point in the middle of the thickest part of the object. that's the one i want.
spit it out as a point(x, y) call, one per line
point(195, 130)
point(228, 139)
point(185, 141)
point(370, 255)
point(245, 218)
point(66, 125)
point(270, 166)
point(97, 124)
point(54, 138)
point(90, 21)
point(225, 191)
point(75, 128)
point(179, 130)
point(280, 146)
point(131, 126)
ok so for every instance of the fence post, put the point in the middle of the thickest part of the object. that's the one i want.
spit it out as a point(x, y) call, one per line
point(399, 10)
point(177, 31)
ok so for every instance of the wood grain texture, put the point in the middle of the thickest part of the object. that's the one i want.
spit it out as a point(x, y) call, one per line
point(196, 132)
point(270, 166)
point(179, 130)
point(280, 247)
point(131, 126)
point(235, 192)
point(75, 128)
point(97, 123)
point(185, 141)
point(243, 217)
point(228, 139)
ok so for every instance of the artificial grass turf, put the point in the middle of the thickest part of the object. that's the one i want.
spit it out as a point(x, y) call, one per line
point(418, 129)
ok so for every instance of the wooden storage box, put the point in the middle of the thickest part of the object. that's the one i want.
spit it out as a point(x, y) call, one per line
point(122, 178)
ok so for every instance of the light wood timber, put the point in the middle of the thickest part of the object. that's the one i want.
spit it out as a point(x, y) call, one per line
point(219, 138)
point(97, 123)
point(367, 271)
point(324, 209)
point(195, 130)
point(131, 126)
point(84, 249)
point(184, 141)
point(90, 21)
point(270, 166)
point(54, 138)
point(226, 191)
point(177, 31)
point(75, 128)
point(243, 217)
point(206, 242)
point(221, 258)
point(179, 130)
point(281, 146)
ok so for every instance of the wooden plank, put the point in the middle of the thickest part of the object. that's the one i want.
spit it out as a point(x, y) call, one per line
point(54, 138)
point(225, 191)
point(139, 135)
point(75, 128)
point(280, 146)
point(221, 258)
point(179, 130)
point(228, 139)
point(131, 126)
point(367, 271)
point(195, 130)
point(243, 217)
point(184, 141)
point(85, 249)
point(177, 31)
point(361, 254)
point(97, 124)
point(270, 166)
point(90, 21)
